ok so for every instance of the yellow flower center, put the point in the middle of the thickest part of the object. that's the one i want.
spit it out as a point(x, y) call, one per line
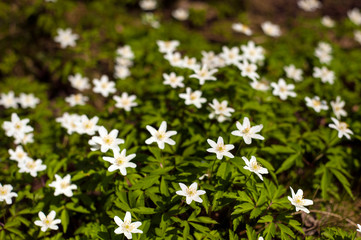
point(64, 185)
point(127, 226)
point(88, 125)
point(221, 148)
point(20, 155)
point(255, 166)
point(119, 161)
point(343, 126)
point(31, 164)
point(316, 103)
point(108, 140)
point(18, 125)
point(104, 85)
point(246, 130)
point(299, 200)
point(193, 96)
point(191, 192)
point(283, 89)
point(47, 221)
point(160, 135)
point(3, 191)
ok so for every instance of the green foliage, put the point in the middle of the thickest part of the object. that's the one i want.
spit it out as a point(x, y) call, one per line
point(299, 149)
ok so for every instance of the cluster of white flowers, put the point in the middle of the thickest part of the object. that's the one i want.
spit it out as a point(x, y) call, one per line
point(80, 124)
point(123, 61)
point(9, 100)
point(309, 5)
point(19, 129)
point(247, 62)
point(323, 52)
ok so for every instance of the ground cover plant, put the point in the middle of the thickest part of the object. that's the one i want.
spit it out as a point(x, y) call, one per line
point(180, 120)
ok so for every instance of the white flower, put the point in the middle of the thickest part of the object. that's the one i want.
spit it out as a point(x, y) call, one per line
point(79, 82)
point(211, 59)
point(167, 46)
point(271, 29)
point(120, 161)
point(173, 80)
point(191, 193)
point(190, 63)
point(282, 89)
point(248, 70)
point(254, 166)
point(309, 5)
point(262, 85)
point(19, 154)
point(93, 146)
point(174, 58)
point(49, 221)
point(16, 127)
point(359, 228)
point(241, 28)
point(87, 126)
point(6, 194)
point(323, 52)
point(204, 74)
point(260, 238)
point(24, 139)
point(107, 141)
point(161, 136)
point(252, 52)
point(298, 201)
point(337, 107)
point(324, 74)
point(327, 22)
point(219, 148)
point(355, 16)
point(220, 110)
point(230, 56)
point(127, 227)
point(247, 132)
point(203, 176)
point(8, 100)
point(148, 5)
point(121, 72)
point(31, 166)
point(124, 62)
point(193, 97)
point(66, 38)
point(76, 99)
point(28, 100)
point(357, 36)
point(341, 127)
point(316, 103)
point(125, 52)
point(180, 14)
point(104, 86)
point(70, 122)
point(125, 102)
point(63, 186)
point(293, 72)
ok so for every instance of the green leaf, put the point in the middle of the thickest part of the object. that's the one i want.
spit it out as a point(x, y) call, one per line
point(64, 217)
point(325, 182)
point(289, 162)
point(285, 230)
point(144, 210)
point(164, 187)
point(343, 180)
point(269, 231)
